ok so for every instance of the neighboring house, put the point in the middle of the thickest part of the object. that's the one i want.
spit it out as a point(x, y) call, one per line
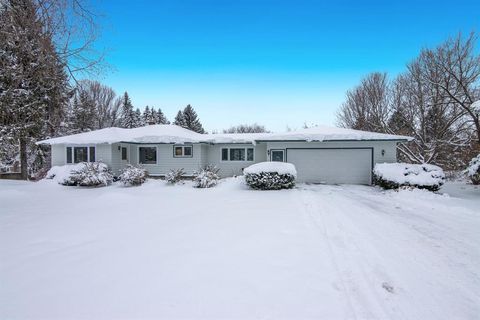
point(320, 154)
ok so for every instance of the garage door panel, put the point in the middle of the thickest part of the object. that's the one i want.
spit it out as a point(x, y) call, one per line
point(332, 166)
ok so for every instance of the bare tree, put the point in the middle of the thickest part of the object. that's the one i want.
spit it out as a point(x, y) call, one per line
point(460, 67)
point(246, 128)
point(106, 102)
point(367, 106)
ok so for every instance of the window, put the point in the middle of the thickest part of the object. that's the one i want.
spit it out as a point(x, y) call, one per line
point(225, 154)
point(277, 155)
point(250, 154)
point(92, 154)
point(124, 153)
point(69, 154)
point(80, 154)
point(237, 154)
point(147, 155)
point(182, 151)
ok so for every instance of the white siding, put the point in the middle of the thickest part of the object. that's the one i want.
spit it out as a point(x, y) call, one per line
point(390, 147)
point(231, 168)
point(58, 155)
point(166, 161)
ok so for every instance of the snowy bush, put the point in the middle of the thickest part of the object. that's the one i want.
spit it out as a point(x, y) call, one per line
point(270, 175)
point(175, 175)
point(85, 174)
point(396, 175)
point(133, 176)
point(473, 170)
point(206, 178)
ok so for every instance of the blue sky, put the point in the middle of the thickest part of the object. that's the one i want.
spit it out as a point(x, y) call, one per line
point(277, 63)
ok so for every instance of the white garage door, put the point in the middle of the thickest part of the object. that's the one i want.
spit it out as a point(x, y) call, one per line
point(332, 166)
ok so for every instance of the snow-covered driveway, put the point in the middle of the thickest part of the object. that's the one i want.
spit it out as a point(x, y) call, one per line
point(156, 251)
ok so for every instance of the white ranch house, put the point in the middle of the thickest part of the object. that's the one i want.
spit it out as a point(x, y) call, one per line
point(320, 154)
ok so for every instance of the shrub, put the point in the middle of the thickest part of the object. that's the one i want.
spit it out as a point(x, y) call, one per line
point(206, 178)
point(85, 174)
point(175, 175)
point(270, 176)
point(133, 176)
point(473, 170)
point(396, 175)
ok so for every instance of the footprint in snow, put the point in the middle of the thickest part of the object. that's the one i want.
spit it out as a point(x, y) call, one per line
point(388, 287)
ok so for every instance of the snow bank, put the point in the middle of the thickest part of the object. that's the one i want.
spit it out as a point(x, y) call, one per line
point(272, 167)
point(394, 175)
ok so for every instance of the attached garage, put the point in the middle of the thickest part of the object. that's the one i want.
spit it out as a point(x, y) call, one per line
point(332, 165)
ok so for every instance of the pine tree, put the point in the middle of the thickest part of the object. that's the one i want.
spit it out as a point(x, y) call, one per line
point(191, 120)
point(127, 116)
point(148, 116)
point(33, 84)
point(83, 113)
point(160, 118)
point(137, 119)
point(180, 120)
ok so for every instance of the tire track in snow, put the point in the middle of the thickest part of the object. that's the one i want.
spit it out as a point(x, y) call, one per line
point(351, 262)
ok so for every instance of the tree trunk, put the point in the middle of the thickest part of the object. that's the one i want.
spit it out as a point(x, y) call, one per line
point(23, 158)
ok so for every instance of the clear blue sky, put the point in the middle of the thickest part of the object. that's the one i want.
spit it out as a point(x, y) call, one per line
point(277, 63)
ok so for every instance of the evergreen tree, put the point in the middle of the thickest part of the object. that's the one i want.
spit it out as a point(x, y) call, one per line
point(160, 118)
point(148, 116)
point(137, 119)
point(127, 117)
point(83, 113)
point(180, 120)
point(191, 120)
point(33, 84)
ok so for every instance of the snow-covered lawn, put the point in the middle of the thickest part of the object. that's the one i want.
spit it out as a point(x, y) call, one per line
point(165, 252)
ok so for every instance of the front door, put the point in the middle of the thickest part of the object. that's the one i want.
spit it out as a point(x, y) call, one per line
point(125, 154)
point(277, 155)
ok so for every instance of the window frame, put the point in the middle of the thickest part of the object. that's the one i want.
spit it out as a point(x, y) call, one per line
point(277, 150)
point(228, 154)
point(156, 155)
point(72, 152)
point(126, 153)
point(183, 146)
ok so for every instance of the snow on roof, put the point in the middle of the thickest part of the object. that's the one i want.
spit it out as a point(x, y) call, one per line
point(176, 134)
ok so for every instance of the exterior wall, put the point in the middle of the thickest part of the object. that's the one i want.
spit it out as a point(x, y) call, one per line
point(231, 168)
point(390, 147)
point(59, 153)
point(166, 161)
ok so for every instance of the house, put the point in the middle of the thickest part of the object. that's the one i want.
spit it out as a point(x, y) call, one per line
point(320, 154)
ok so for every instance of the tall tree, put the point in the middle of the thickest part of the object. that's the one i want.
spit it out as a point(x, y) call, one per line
point(191, 120)
point(367, 106)
point(180, 120)
point(160, 117)
point(33, 83)
point(127, 115)
point(84, 113)
point(148, 116)
point(138, 119)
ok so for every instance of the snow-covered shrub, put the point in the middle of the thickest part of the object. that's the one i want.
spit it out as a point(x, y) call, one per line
point(396, 175)
point(206, 178)
point(61, 174)
point(85, 174)
point(270, 175)
point(133, 176)
point(175, 175)
point(473, 170)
